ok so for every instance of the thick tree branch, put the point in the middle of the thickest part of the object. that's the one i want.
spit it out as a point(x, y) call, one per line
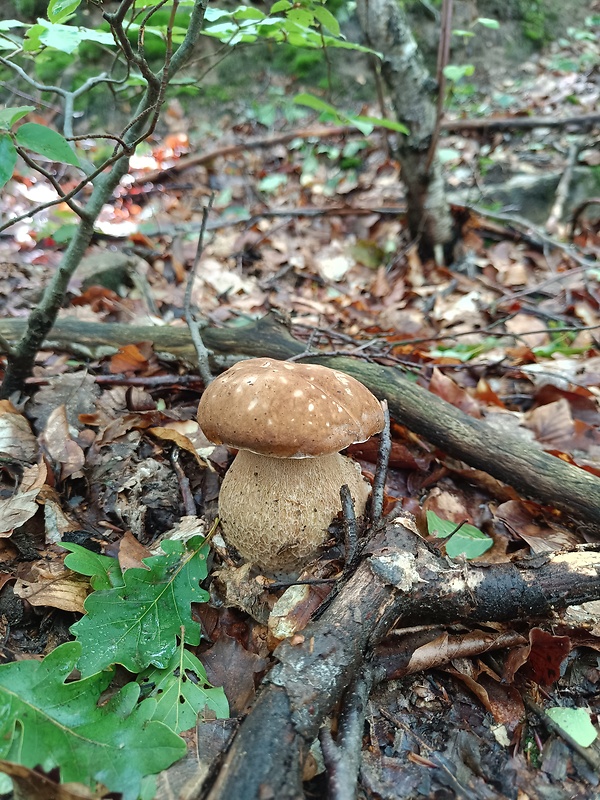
point(506, 456)
point(403, 581)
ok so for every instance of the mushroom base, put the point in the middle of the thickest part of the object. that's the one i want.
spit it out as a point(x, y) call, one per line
point(276, 511)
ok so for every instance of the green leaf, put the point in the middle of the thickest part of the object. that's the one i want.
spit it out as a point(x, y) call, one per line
point(300, 16)
point(436, 526)
point(576, 722)
point(104, 572)
point(8, 116)
point(468, 541)
point(270, 183)
point(327, 20)
point(61, 9)
point(381, 122)
point(45, 721)
point(280, 5)
point(493, 24)
point(136, 625)
point(46, 142)
point(67, 38)
point(181, 692)
point(454, 72)
point(8, 159)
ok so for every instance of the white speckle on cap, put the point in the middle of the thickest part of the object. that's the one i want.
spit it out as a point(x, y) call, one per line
point(328, 424)
point(283, 380)
point(340, 409)
point(269, 422)
point(311, 406)
point(288, 366)
point(323, 397)
point(266, 365)
point(252, 404)
point(298, 393)
point(348, 391)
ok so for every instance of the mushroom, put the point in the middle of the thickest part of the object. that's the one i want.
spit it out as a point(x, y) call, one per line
point(289, 421)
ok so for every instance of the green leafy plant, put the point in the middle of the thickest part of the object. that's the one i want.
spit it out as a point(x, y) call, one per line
point(136, 623)
point(50, 722)
point(464, 539)
point(134, 618)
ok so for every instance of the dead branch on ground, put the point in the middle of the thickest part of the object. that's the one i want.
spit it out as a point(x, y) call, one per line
point(524, 465)
point(400, 580)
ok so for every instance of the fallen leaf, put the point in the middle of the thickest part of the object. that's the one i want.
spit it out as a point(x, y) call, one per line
point(16, 438)
point(60, 446)
point(541, 658)
point(131, 552)
point(448, 390)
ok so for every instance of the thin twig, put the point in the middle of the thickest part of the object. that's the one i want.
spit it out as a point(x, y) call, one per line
point(184, 485)
point(201, 351)
point(385, 446)
point(350, 524)
point(562, 190)
point(442, 61)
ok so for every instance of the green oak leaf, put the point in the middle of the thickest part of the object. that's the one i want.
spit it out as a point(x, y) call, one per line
point(48, 722)
point(181, 692)
point(104, 572)
point(136, 624)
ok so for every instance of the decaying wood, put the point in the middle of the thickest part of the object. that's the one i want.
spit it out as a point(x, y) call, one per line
point(506, 456)
point(401, 580)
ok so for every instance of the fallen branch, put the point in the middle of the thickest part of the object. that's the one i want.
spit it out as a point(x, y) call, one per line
point(327, 132)
point(509, 458)
point(400, 580)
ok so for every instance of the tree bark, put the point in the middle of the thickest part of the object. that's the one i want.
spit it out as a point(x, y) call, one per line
point(401, 581)
point(386, 30)
point(512, 459)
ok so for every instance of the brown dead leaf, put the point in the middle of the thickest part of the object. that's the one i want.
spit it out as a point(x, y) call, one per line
point(35, 785)
point(134, 358)
point(540, 537)
point(16, 438)
point(187, 435)
point(541, 658)
point(16, 510)
point(503, 701)
point(34, 477)
point(552, 425)
point(131, 552)
point(60, 446)
point(231, 666)
point(445, 648)
point(50, 584)
point(77, 391)
point(448, 390)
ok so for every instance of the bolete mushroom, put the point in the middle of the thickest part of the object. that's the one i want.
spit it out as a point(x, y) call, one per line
point(289, 421)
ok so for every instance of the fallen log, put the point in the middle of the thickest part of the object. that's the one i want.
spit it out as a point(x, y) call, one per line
point(513, 460)
point(400, 581)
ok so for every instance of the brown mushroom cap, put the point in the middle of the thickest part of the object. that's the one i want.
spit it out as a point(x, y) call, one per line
point(288, 410)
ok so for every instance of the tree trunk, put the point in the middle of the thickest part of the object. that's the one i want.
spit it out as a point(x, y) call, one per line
point(386, 30)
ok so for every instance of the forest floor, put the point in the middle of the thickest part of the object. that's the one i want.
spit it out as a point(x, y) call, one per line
point(312, 228)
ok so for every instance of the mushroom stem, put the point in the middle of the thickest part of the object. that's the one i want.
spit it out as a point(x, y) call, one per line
point(276, 511)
